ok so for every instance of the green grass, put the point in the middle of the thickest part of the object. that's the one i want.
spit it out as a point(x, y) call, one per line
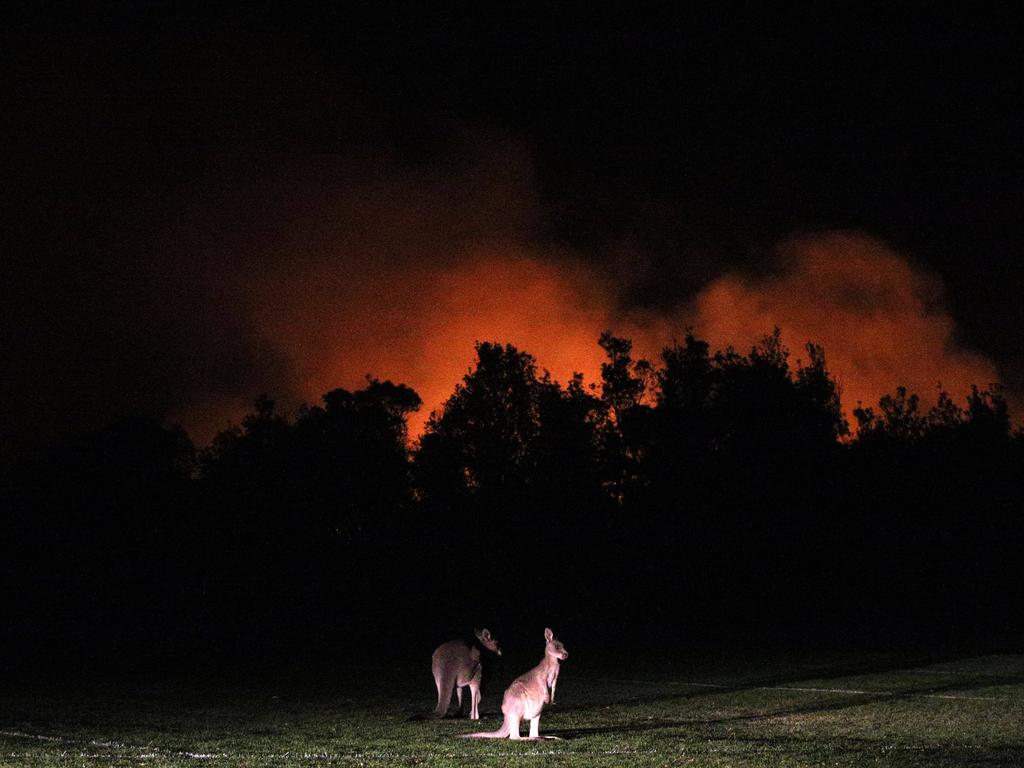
point(652, 711)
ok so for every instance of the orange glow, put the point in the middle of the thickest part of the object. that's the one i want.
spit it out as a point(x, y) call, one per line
point(878, 318)
point(420, 327)
point(415, 321)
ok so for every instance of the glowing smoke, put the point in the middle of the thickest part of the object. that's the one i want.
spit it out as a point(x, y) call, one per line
point(880, 320)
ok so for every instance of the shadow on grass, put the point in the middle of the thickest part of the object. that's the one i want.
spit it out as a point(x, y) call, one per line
point(853, 669)
point(846, 701)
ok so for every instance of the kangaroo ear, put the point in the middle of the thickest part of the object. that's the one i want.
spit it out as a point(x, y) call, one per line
point(485, 634)
point(548, 635)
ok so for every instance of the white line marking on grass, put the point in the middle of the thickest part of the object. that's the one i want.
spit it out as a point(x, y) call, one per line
point(854, 692)
point(805, 689)
point(672, 682)
point(957, 672)
point(38, 737)
point(157, 751)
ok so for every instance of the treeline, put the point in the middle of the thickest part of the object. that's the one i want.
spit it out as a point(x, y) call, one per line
point(711, 496)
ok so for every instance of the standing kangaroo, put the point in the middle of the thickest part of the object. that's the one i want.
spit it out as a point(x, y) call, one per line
point(528, 694)
point(456, 664)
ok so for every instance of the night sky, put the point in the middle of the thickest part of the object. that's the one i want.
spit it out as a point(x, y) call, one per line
point(201, 208)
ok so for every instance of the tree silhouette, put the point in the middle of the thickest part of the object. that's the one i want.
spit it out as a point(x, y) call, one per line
point(625, 385)
point(899, 418)
point(480, 440)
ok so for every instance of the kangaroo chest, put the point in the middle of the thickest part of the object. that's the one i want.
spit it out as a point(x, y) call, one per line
point(552, 675)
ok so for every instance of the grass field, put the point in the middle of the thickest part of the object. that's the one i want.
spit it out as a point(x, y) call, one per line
point(727, 710)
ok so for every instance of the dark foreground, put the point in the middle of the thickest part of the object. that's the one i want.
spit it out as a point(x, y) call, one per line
point(713, 710)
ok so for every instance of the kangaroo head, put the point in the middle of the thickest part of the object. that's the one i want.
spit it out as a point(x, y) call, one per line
point(554, 646)
point(487, 641)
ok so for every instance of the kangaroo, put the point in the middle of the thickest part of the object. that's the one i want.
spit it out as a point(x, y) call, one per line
point(456, 664)
point(528, 694)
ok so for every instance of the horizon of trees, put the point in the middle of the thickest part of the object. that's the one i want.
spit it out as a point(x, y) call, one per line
point(714, 494)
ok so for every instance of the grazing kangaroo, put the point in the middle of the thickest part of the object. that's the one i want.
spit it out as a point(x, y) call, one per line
point(528, 694)
point(456, 664)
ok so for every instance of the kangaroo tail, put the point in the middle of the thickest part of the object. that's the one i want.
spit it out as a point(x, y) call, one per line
point(501, 733)
point(445, 685)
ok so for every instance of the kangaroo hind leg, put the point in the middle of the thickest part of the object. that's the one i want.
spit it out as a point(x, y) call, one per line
point(513, 732)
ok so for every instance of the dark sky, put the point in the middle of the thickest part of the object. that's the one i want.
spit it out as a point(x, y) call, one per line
point(168, 170)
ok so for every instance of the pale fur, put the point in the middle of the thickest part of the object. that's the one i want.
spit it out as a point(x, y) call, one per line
point(526, 697)
point(456, 665)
